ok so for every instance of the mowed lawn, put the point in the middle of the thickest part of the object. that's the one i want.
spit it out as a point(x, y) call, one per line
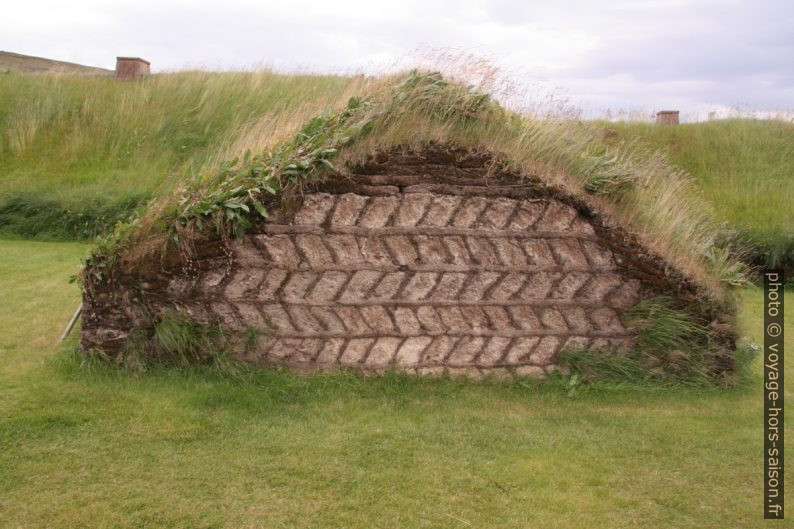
point(89, 446)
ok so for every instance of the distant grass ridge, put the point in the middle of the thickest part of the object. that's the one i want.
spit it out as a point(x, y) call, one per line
point(17, 62)
point(32, 216)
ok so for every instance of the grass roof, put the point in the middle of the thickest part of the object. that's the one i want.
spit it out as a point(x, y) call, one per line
point(633, 187)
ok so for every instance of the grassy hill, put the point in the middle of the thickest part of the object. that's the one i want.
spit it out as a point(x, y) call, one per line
point(79, 153)
point(16, 62)
point(744, 167)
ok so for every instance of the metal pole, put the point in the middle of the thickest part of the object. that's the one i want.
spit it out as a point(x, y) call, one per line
point(72, 322)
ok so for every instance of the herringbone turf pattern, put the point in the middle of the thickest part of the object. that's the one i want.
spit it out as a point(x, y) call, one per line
point(424, 281)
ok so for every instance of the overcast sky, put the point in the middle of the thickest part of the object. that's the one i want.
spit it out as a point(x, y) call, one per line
point(631, 55)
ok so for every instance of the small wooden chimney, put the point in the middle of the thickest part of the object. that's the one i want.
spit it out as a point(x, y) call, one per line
point(129, 68)
point(667, 117)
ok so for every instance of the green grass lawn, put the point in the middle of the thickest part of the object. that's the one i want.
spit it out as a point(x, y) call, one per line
point(94, 447)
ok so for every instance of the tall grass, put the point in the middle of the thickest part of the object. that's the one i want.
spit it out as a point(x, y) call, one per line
point(84, 142)
point(78, 154)
point(743, 167)
point(178, 341)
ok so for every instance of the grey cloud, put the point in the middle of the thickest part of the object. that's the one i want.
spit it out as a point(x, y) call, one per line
point(648, 54)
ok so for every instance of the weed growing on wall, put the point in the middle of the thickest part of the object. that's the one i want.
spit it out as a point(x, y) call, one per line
point(177, 340)
point(673, 346)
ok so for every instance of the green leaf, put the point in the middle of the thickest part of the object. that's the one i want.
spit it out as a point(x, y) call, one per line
point(259, 207)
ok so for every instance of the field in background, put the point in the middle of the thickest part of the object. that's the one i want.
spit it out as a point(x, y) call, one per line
point(93, 447)
point(78, 153)
point(744, 167)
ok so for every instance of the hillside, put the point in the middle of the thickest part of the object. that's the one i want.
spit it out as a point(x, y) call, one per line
point(744, 167)
point(79, 153)
point(16, 62)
